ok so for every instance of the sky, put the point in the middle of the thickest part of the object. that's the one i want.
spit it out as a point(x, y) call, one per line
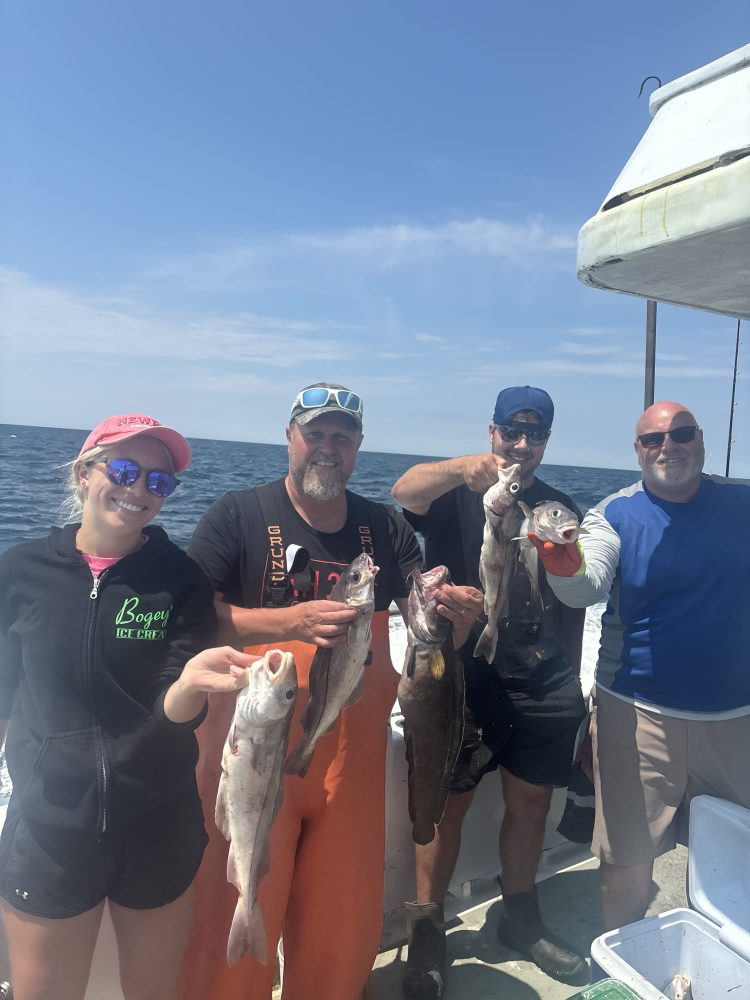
point(205, 207)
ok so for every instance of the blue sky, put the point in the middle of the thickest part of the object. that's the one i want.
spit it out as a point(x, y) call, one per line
point(207, 206)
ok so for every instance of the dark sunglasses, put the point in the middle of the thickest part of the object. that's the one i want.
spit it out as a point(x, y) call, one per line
point(512, 433)
point(309, 399)
point(125, 472)
point(655, 439)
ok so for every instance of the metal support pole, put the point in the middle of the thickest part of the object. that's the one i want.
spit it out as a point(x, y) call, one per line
point(648, 392)
point(734, 387)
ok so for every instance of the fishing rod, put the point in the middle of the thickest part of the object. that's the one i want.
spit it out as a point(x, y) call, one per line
point(734, 387)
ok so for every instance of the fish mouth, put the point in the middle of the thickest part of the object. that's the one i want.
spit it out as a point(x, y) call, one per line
point(569, 534)
point(435, 577)
point(277, 664)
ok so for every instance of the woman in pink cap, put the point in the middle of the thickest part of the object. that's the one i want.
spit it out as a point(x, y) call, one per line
point(102, 624)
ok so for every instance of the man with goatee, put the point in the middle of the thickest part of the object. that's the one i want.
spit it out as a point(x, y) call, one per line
point(274, 553)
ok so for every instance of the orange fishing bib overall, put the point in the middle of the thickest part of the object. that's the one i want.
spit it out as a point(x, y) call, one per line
point(324, 889)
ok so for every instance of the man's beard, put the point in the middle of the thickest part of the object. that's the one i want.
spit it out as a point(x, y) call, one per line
point(322, 484)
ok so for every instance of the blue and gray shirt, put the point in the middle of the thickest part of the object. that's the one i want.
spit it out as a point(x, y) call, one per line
point(676, 577)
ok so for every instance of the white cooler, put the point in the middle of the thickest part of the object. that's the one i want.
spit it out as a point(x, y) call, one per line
point(711, 946)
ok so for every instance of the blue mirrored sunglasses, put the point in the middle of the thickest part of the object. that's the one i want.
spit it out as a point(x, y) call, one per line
point(309, 399)
point(125, 472)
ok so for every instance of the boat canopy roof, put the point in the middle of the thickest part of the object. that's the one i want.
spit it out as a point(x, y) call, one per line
point(675, 226)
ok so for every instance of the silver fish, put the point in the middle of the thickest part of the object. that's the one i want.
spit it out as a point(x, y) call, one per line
point(337, 674)
point(250, 790)
point(502, 522)
point(551, 522)
point(679, 988)
point(431, 697)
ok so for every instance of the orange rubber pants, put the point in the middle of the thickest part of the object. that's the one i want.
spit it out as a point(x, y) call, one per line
point(324, 889)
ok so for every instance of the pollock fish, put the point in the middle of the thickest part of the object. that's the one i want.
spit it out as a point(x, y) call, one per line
point(250, 791)
point(679, 988)
point(431, 697)
point(502, 523)
point(337, 674)
point(551, 522)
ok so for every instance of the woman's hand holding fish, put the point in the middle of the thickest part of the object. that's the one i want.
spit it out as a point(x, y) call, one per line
point(222, 669)
point(559, 560)
point(462, 606)
point(480, 471)
point(324, 623)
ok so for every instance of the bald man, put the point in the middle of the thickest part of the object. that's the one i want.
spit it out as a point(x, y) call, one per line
point(672, 719)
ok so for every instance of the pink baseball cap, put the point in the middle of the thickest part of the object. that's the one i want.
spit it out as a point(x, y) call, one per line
point(129, 425)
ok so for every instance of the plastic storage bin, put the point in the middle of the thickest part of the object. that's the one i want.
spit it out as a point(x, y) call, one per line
point(712, 946)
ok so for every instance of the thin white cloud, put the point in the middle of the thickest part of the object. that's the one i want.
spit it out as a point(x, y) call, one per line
point(428, 338)
point(254, 262)
point(43, 320)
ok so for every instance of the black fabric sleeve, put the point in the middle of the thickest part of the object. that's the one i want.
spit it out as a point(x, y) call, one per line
point(406, 550)
point(10, 648)
point(192, 628)
point(216, 545)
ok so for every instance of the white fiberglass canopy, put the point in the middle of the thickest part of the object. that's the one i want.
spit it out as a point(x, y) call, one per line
point(675, 226)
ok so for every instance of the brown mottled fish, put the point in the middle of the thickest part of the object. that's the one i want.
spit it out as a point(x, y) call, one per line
point(502, 523)
point(250, 790)
point(431, 698)
point(337, 673)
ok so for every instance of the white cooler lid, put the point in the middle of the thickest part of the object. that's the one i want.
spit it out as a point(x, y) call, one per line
point(719, 868)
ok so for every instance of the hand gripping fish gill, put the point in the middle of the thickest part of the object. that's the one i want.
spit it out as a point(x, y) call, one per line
point(431, 697)
point(250, 790)
point(502, 523)
point(337, 674)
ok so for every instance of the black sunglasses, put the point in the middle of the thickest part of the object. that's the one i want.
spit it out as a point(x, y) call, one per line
point(125, 472)
point(655, 439)
point(512, 433)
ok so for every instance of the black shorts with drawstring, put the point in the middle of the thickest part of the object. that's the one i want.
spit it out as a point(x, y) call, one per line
point(145, 863)
point(526, 725)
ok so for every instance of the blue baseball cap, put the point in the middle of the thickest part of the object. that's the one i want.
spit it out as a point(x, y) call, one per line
point(523, 397)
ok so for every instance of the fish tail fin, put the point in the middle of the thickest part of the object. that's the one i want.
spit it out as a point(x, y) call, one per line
point(247, 934)
point(298, 761)
point(486, 644)
point(437, 665)
point(423, 832)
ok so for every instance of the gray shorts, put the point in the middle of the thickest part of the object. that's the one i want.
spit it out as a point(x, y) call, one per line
point(647, 769)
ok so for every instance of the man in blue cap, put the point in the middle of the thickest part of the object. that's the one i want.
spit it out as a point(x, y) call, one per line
point(522, 711)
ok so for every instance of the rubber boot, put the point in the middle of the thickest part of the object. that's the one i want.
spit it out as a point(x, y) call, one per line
point(521, 928)
point(425, 963)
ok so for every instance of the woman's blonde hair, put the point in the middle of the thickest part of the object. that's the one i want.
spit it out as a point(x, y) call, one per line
point(71, 506)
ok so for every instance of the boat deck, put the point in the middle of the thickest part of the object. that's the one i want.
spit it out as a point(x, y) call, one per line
point(482, 969)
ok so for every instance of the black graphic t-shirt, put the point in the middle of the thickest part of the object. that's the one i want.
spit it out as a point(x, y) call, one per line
point(241, 541)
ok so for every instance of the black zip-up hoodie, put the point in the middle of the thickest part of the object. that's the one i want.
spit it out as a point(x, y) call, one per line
point(84, 668)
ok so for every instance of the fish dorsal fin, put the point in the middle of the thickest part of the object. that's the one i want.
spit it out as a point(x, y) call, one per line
point(437, 665)
point(527, 511)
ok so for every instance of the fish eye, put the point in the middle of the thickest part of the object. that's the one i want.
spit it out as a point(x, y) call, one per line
point(355, 577)
point(514, 487)
point(555, 513)
point(289, 695)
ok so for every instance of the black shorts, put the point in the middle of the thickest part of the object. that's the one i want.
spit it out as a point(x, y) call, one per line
point(145, 863)
point(527, 728)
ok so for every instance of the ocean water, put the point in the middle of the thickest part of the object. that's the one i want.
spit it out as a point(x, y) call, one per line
point(33, 473)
